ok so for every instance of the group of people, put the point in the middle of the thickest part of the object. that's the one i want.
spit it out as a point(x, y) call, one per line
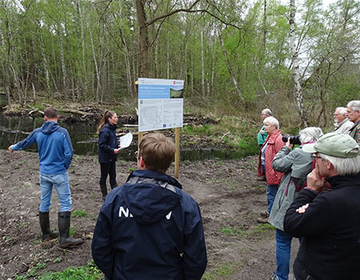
point(148, 228)
point(307, 189)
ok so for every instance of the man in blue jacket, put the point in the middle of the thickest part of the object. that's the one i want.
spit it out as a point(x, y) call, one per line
point(148, 228)
point(55, 155)
point(328, 221)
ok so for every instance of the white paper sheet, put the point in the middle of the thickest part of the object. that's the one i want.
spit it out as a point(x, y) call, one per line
point(125, 141)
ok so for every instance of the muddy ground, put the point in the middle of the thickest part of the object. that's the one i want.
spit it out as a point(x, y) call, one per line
point(227, 191)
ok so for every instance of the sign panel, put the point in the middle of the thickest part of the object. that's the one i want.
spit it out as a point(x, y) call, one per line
point(160, 104)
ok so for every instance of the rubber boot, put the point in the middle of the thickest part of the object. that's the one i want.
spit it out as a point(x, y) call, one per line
point(64, 227)
point(47, 234)
point(103, 190)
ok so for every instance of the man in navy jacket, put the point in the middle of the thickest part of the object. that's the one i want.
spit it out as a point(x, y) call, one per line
point(148, 228)
point(328, 221)
point(55, 155)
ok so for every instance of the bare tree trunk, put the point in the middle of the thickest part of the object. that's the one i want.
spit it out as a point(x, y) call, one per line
point(264, 24)
point(43, 54)
point(46, 67)
point(11, 61)
point(130, 79)
point(55, 75)
point(84, 72)
point(156, 58)
point(143, 40)
point(62, 53)
point(237, 89)
point(5, 66)
point(167, 56)
point(98, 80)
point(192, 76)
point(296, 67)
point(202, 63)
point(34, 92)
point(212, 67)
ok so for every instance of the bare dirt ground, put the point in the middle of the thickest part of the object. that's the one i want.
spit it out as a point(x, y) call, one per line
point(229, 196)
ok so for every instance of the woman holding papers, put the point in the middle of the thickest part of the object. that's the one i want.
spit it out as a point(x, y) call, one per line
point(108, 149)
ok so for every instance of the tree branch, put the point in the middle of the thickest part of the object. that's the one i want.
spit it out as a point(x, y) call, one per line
point(189, 10)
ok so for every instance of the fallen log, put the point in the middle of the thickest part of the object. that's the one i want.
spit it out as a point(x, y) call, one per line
point(76, 112)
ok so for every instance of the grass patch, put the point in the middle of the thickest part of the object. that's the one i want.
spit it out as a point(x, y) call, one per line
point(220, 272)
point(88, 272)
point(79, 213)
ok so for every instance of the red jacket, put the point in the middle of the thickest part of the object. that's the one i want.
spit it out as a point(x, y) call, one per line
point(275, 144)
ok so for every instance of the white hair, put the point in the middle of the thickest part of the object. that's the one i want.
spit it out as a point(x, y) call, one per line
point(272, 121)
point(344, 166)
point(267, 112)
point(342, 110)
point(355, 104)
point(310, 134)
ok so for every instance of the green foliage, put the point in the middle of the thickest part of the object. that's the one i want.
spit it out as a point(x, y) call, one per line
point(200, 129)
point(244, 232)
point(23, 225)
point(220, 272)
point(77, 157)
point(79, 213)
point(88, 272)
point(58, 259)
point(68, 55)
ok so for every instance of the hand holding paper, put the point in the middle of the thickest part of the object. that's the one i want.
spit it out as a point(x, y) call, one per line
point(125, 141)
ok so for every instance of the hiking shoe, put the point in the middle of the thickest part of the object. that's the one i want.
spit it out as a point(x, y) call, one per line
point(262, 220)
point(274, 276)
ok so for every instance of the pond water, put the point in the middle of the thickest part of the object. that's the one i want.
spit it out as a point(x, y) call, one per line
point(84, 140)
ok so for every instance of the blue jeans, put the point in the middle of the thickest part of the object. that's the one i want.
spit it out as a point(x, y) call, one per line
point(61, 185)
point(283, 248)
point(271, 191)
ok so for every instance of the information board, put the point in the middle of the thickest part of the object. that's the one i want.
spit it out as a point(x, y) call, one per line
point(160, 104)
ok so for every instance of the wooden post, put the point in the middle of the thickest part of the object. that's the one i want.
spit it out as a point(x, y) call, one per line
point(177, 152)
point(140, 135)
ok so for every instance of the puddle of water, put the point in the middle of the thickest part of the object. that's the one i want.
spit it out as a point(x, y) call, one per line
point(15, 129)
point(84, 140)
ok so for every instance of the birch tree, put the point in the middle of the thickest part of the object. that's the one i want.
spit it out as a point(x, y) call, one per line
point(295, 66)
point(61, 43)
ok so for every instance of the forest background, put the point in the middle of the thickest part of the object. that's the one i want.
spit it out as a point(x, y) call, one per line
point(236, 57)
point(300, 59)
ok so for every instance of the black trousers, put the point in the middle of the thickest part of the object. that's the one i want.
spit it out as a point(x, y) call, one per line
point(108, 169)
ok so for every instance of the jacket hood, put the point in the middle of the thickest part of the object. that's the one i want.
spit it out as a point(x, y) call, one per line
point(49, 127)
point(151, 195)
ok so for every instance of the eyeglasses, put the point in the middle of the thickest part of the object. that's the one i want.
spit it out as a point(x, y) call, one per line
point(314, 156)
point(136, 155)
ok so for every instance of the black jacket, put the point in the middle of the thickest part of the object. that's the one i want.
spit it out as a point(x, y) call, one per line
point(149, 229)
point(107, 143)
point(330, 226)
